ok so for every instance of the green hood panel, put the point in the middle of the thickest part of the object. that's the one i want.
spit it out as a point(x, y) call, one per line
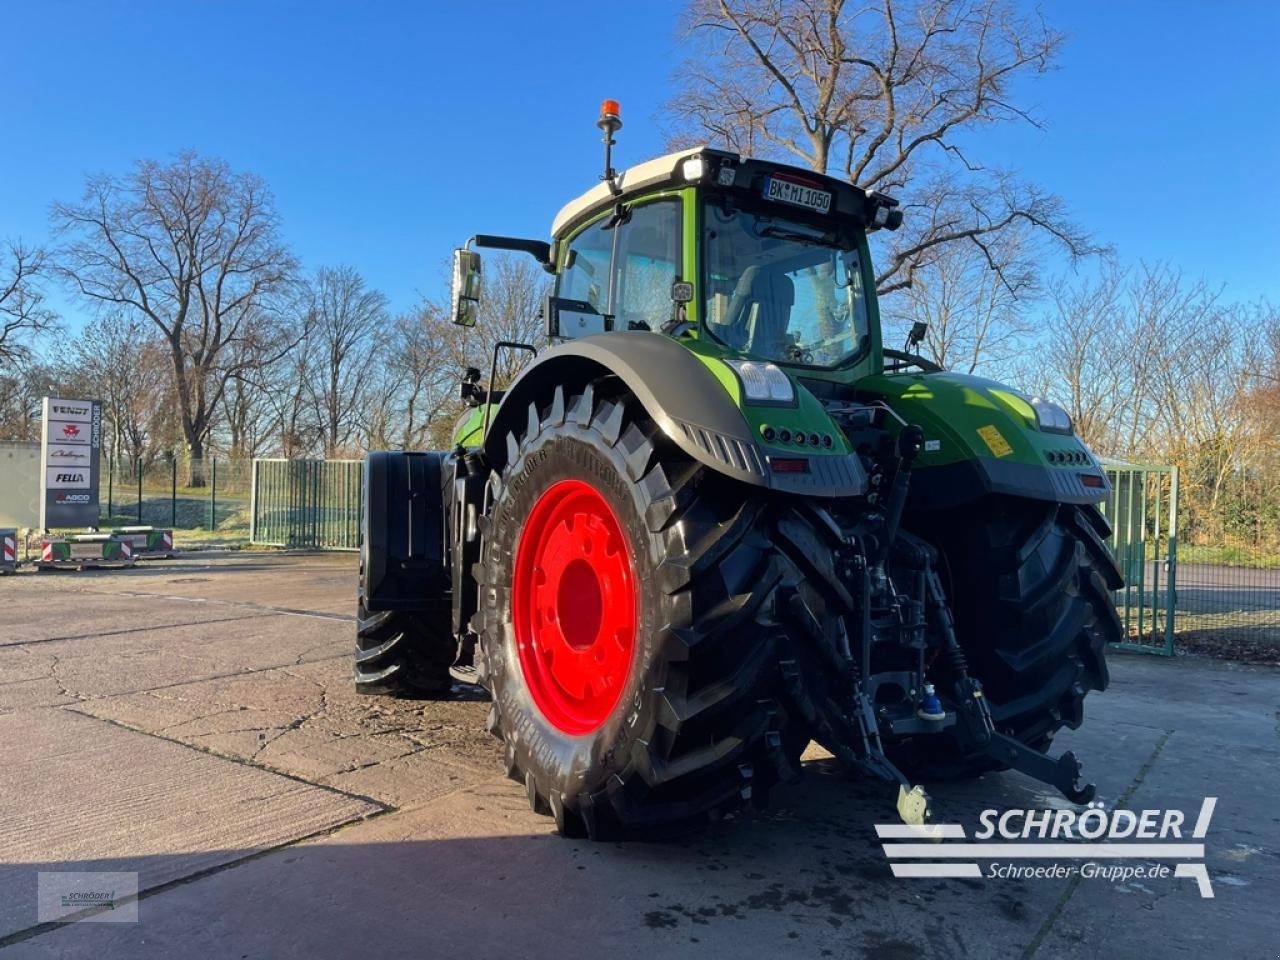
point(986, 432)
point(468, 431)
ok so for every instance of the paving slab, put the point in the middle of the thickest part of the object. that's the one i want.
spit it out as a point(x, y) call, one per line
point(323, 584)
point(81, 794)
point(307, 720)
point(1230, 750)
point(61, 671)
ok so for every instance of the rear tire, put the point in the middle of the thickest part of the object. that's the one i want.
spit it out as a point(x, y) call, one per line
point(402, 654)
point(644, 698)
point(1030, 588)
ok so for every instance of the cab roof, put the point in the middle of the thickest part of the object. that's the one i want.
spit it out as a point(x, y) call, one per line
point(723, 169)
point(651, 173)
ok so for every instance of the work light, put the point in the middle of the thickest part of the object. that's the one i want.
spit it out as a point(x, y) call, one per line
point(763, 382)
point(1050, 417)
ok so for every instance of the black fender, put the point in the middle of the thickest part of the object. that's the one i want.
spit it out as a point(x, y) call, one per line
point(403, 563)
point(682, 397)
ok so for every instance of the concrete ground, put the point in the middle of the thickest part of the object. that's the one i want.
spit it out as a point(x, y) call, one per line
point(193, 721)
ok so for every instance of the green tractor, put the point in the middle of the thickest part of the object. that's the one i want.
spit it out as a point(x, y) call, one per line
point(715, 519)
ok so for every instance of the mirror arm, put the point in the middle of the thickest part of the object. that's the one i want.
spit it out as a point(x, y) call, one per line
point(540, 250)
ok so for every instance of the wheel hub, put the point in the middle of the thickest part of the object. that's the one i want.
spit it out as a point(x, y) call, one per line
point(574, 606)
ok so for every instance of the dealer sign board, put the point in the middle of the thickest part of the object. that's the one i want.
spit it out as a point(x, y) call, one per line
point(69, 448)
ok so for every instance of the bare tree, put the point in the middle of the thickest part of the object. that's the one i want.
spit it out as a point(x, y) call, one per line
point(348, 321)
point(246, 414)
point(120, 359)
point(194, 247)
point(414, 386)
point(886, 95)
point(285, 390)
point(22, 385)
point(23, 315)
point(977, 321)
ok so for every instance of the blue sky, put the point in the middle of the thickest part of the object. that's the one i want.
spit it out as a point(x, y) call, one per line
point(390, 132)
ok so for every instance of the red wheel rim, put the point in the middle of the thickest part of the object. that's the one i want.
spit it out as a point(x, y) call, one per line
point(574, 606)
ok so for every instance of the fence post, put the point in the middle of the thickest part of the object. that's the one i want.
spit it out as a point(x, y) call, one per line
point(253, 501)
point(139, 465)
point(1171, 577)
point(111, 476)
point(213, 496)
point(173, 490)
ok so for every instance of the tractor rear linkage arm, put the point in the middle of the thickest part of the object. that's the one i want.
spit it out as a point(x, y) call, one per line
point(973, 720)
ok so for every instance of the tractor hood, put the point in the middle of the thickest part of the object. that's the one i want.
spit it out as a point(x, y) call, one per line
point(982, 437)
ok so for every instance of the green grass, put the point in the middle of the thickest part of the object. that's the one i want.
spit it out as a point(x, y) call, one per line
point(1229, 556)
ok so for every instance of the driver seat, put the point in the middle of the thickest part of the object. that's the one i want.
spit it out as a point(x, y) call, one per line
point(774, 294)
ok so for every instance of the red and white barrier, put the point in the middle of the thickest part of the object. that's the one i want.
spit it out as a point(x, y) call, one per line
point(8, 551)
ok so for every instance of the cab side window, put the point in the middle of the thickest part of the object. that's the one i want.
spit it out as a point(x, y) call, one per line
point(646, 264)
point(585, 274)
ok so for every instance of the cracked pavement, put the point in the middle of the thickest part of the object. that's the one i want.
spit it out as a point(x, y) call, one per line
point(194, 721)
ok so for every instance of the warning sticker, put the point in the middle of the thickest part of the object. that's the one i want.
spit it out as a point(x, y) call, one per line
point(995, 440)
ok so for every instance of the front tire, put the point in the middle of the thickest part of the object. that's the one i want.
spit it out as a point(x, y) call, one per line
point(402, 654)
point(628, 631)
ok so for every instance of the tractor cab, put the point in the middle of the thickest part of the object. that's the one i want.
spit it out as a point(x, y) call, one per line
point(763, 260)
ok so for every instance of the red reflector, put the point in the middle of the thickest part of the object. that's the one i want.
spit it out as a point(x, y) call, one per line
point(1091, 480)
point(789, 464)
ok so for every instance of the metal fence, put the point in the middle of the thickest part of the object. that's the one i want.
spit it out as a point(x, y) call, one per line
point(1201, 560)
point(1228, 600)
point(1143, 511)
point(210, 495)
point(306, 504)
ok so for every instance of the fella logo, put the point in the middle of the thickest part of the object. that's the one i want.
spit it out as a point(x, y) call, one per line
point(70, 430)
point(69, 478)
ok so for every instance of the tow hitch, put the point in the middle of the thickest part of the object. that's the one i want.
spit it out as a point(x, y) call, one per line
point(982, 737)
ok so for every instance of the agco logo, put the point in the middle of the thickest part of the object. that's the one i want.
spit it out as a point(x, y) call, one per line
point(70, 430)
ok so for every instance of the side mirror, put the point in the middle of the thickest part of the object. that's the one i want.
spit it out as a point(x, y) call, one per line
point(466, 287)
point(572, 318)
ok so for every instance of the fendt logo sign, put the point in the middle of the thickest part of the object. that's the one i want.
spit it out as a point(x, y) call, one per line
point(71, 411)
point(69, 452)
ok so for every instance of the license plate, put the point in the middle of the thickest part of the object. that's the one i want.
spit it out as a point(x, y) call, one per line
point(797, 194)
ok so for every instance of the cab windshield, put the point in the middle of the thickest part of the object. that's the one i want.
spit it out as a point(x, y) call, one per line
point(782, 289)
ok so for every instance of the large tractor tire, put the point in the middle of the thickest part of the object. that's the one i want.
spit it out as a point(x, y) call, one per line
point(403, 654)
point(629, 634)
point(1030, 588)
